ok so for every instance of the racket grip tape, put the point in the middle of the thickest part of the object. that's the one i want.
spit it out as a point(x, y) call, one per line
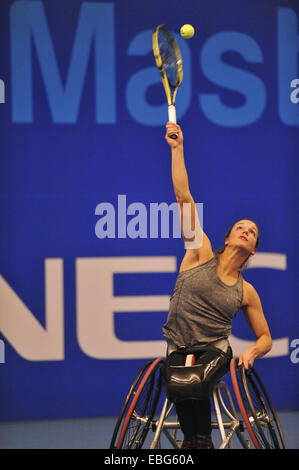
point(172, 118)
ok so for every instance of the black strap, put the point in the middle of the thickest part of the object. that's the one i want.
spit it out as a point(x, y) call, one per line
point(198, 349)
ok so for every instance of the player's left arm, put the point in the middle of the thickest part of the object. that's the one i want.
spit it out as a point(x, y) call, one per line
point(253, 312)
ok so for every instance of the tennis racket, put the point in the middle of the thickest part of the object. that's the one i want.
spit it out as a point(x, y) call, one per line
point(169, 62)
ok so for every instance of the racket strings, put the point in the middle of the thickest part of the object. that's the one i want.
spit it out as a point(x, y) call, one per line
point(169, 60)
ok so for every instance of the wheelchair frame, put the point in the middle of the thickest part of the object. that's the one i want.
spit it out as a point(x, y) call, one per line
point(227, 427)
point(258, 416)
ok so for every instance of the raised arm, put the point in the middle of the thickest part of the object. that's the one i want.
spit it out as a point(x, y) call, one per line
point(198, 245)
point(178, 168)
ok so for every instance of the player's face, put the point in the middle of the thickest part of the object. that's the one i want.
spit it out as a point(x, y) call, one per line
point(244, 234)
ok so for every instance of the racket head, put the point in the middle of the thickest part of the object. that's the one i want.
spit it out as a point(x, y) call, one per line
point(168, 60)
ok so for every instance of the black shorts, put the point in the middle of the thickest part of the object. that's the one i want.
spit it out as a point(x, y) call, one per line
point(198, 381)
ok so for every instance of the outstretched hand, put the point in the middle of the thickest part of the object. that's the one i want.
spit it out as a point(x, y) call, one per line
point(172, 128)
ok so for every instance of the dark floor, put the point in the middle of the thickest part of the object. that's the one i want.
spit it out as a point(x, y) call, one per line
point(96, 433)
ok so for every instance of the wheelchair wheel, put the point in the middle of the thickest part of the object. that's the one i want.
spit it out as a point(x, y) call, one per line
point(126, 404)
point(256, 408)
point(139, 412)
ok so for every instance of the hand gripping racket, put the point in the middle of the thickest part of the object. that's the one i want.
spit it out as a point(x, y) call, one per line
point(169, 62)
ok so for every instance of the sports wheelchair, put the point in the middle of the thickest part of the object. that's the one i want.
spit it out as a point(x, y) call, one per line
point(257, 427)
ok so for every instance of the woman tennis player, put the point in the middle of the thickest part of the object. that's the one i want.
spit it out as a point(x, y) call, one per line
point(208, 293)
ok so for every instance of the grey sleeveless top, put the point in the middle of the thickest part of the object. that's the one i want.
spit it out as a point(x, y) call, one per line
point(202, 307)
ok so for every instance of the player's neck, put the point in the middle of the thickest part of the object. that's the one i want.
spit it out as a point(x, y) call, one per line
point(231, 259)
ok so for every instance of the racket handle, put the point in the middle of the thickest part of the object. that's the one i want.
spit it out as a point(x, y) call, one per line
point(172, 118)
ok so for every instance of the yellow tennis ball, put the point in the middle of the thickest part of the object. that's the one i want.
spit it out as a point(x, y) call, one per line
point(187, 31)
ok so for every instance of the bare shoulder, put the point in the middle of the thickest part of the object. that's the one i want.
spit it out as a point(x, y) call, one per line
point(198, 256)
point(250, 295)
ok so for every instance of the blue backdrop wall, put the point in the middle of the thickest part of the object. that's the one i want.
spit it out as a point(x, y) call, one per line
point(83, 156)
